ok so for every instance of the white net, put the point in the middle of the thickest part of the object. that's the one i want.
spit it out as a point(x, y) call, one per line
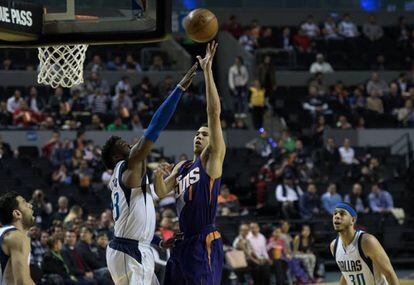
point(61, 65)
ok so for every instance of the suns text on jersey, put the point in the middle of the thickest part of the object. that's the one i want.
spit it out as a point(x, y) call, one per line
point(349, 265)
point(191, 178)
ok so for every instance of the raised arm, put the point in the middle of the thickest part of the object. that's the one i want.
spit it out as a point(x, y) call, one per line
point(373, 249)
point(213, 155)
point(163, 187)
point(18, 247)
point(139, 152)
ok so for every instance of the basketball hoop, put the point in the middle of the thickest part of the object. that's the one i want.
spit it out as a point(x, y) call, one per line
point(61, 65)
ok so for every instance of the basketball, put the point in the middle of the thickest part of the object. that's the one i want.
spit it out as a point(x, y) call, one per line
point(201, 25)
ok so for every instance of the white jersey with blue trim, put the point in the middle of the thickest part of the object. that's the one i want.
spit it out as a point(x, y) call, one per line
point(6, 274)
point(355, 266)
point(133, 209)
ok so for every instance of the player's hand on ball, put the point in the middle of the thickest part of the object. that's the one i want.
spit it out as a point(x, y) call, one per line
point(207, 61)
point(170, 243)
point(188, 77)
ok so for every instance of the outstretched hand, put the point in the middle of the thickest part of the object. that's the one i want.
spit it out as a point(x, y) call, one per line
point(170, 243)
point(163, 169)
point(188, 77)
point(207, 61)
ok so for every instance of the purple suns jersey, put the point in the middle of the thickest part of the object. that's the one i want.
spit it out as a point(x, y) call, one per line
point(196, 195)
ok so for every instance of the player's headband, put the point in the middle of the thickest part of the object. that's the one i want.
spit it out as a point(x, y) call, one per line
point(347, 207)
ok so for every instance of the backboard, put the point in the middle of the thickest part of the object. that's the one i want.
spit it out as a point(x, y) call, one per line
point(56, 22)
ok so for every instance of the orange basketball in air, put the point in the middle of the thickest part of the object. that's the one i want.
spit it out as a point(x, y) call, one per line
point(201, 25)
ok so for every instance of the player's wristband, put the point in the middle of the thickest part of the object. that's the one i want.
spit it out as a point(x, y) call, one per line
point(163, 115)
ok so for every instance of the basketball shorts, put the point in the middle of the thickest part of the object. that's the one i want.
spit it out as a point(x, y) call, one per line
point(198, 259)
point(130, 262)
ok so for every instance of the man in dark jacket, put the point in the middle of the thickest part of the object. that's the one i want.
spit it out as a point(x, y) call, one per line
point(88, 251)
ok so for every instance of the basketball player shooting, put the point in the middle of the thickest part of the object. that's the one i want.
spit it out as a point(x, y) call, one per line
point(129, 257)
point(198, 258)
point(16, 216)
point(360, 257)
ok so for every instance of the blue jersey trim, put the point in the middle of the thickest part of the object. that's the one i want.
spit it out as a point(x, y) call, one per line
point(127, 191)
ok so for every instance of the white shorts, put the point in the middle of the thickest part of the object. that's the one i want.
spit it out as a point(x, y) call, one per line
point(130, 263)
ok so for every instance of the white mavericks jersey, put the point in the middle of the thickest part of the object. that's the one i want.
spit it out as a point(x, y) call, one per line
point(6, 275)
point(355, 266)
point(133, 209)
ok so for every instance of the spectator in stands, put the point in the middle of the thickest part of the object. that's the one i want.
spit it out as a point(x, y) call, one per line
point(157, 64)
point(233, 27)
point(316, 105)
point(14, 102)
point(42, 208)
point(376, 83)
point(309, 203)
point(242, 243)
point(347, 153)
point(288, 195)
point(75, 212)
point(54, 266)
point(95, 83)
point(74, 261)
point(278, 253)
point(267, 40)
point(318, 130)
point(310, 28)
point(330, 30)
point(343, 123)
point(320, 65)
point(54, 103)
point(372, 31)
point(261, 145)
point(106, 176)
point(62, 210)
point(115, 64)
point(7, 64)
point(117, 125)
point(163, 88)
point(405, 115)
point(165, 230)
point(228, 204)
point(106, 224)
point(37, 250)
point(330, 199)
point(36, 103)
point(5, 116)
point(379, 63)
point(258, 243)
point(266, 73)
point(102, 242)
point(357, 200)
point(84, 175)
point(57, 230)
point(238, 78)
point(393, 99)
point(302, 42)
point(122, 104)
point(330, 154)
point(248, 41)
point(347, 28)
point(357, 101)
point(124, 85)
point(96, 124)
point(88, 251)
point(136, 124)
point(78, 105)
point(257, 96)
point(374, 102)
point(380, 201)
point(96, 65)
point(24, 117)
point(44, 236)
point(377, 171)
point(99, 103)
point(319, 82)
point(61, 175)
point(303, 250)
point(5, 149)
point(131, 64)
point(286, 42)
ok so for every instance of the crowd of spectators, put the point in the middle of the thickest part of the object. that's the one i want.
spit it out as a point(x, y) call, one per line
point(382, 47)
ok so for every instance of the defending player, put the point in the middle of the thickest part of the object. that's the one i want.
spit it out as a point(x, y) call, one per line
point(198, 259)
point(16, 216)
point(129, 257)
point(359, 255)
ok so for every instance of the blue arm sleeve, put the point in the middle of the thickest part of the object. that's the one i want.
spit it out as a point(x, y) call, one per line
point(162, 116)
point(156, 240)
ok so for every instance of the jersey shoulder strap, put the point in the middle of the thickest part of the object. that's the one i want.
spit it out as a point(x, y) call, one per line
point(366, 259)
point(335, 247)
